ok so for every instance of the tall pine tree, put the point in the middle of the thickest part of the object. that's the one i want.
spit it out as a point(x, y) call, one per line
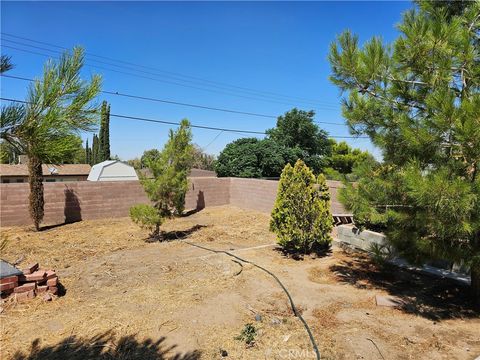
point(104, 134)
point(87, 154)
point(419, 102)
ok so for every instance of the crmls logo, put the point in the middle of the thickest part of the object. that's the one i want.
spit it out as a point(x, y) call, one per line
point(290, 354)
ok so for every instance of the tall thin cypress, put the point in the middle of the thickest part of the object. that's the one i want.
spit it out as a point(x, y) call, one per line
point(95, 149)
point(87, 153)
point(103, 135)
point(106, 135)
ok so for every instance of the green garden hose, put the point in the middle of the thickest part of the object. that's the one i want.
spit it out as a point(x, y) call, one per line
point(292, 305)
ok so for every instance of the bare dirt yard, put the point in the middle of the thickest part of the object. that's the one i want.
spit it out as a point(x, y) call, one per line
point(129, 299)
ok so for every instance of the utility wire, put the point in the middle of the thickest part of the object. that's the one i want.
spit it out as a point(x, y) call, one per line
point(159, 121)
point(116, 93)
point(166, 81)
point(211, 142)
point(178, 76)
point(221, 90)
point(191, 125)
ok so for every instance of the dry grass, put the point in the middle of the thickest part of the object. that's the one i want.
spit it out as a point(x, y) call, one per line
point(126, 298)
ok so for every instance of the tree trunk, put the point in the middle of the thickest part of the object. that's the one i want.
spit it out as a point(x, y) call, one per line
point(475, 284)
point(36, 191)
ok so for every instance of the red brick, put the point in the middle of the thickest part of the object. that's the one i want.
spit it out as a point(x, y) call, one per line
point(53, 290)
point(25, 287)
point(9, 286)
point(51, 274)
point(36, 276)
point(9, 279)
point(42, 289)
point(7, 292)
point(24, 296)
point(30, 269)
point(52, 281)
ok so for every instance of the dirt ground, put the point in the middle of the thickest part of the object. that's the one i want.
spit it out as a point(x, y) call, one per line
point(129, 299)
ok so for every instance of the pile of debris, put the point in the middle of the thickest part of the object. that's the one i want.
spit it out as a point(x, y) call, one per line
point(27, 283)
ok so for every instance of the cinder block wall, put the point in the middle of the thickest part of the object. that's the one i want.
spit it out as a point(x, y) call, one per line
point(260, 195)
point(83, 200)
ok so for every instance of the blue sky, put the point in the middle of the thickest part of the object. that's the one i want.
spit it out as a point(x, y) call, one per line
point(269, 47)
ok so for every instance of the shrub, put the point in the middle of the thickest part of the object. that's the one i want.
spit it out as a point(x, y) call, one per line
point(169, 184)
point(147, 217)
point(248, 335)
point(301, 217)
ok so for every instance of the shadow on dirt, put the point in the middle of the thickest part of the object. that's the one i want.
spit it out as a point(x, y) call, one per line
point(176, 235)
point(427, 296)
point(105, 346)
point(317, 251)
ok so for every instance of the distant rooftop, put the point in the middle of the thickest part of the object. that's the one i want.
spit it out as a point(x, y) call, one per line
point(48, 170)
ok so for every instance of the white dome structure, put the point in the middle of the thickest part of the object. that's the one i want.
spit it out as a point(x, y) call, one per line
point(112, 170)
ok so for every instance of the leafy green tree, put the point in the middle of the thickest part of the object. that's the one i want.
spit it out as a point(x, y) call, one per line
point(169, 184)
point(419, 102)
point(104, 133)
point(254, 158)
point(136, 163)
point(343, 158)
point(296, 130)
point(343, 161)
point(149, 157)
point(301, 216)
point(58, 106)
point(202, 160)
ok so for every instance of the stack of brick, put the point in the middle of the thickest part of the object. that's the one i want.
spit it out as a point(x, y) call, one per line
point(32, 282)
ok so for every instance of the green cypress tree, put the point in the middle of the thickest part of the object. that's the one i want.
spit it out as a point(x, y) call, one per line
point(419, 101)
point(104, 133)
point(87, 153)
point(301, 216)
point(95, 150)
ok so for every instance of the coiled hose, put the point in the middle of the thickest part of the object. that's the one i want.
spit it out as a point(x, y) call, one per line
point(292, 305)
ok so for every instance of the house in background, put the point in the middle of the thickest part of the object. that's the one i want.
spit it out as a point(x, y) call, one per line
point(112, 170)
point(51, 173)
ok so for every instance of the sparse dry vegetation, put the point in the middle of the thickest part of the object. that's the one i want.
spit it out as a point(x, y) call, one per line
point(118, 286)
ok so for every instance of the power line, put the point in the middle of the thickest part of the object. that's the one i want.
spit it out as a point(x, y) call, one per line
point(211, 142)
point(177, 102)
point(177, 76)
point(165, 81)
point(191, 125)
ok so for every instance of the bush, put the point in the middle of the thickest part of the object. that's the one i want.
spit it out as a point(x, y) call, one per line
point(147, 217)
point(169, 184)
point(301, 217)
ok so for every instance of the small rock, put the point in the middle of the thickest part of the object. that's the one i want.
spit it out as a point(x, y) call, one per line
point(286, 337)
point(258, 317)
point(276, 321)
point(224, 353)
point(47, 297)
point(1, 310)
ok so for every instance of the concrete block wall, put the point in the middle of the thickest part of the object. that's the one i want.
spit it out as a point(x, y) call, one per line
point(83, 200)
point(256, 194)
point(360, 239)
